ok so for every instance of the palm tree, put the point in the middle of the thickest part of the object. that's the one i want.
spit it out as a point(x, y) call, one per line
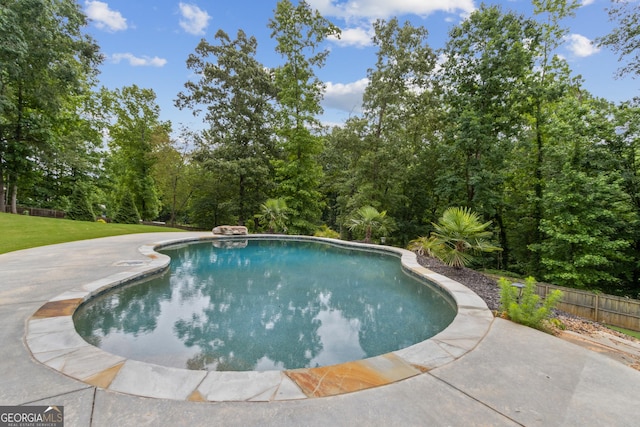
point(369, 220)
point(273, 214)
point(458, 234)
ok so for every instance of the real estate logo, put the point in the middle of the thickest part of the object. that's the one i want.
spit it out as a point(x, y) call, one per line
point(31, 416)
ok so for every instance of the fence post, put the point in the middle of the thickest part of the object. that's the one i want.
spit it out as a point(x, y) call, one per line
point(597, 308)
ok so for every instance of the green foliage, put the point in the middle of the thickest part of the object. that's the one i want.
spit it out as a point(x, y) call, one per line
point(589, 221)
point(485, 77)
point(136, 132)
point(48, 66)
point(299, 32)
point(624, 39)
point(425, 246)
point(526, 308)
point(127, 212)
point(237, 93)
point(457, 236)
point(175, 176)
point(398, 119)
point(501, 126)
point(368, 221)
point(80, 209)
point(273, 215)
point(325, 231)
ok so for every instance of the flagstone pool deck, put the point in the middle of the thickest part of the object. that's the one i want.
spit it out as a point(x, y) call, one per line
point(479, 371)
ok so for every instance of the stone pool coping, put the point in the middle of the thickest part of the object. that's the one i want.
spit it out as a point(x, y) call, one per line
point(52, 340)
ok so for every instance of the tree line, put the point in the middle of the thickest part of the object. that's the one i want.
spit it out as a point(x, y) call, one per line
point(494, 121)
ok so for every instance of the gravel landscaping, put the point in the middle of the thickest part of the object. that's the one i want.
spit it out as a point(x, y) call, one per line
point(487, 289)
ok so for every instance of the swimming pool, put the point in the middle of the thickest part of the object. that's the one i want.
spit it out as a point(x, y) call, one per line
point(266, 304)
point(52, 339)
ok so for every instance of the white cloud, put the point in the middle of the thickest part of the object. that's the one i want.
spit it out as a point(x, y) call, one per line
point(105, 18)
point(373, 9)
point(194, 20)
point(581, 46)
point(136, 61)
point(345, 96)
point(358, 37)
point(587, 2)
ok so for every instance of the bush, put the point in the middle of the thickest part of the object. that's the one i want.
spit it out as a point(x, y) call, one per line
point(425, 246)
point(127, 212)
point(458, 234)
point(325, 231)
point(80, 208)
point(526, 308)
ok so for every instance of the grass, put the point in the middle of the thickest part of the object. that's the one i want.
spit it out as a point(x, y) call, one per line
point(23, 232)
point(635, 334)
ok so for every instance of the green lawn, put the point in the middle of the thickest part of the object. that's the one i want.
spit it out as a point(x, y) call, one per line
point(23, 231)
point(634, 334)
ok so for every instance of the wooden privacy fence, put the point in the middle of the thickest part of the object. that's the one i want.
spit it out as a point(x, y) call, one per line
point(49, 213)
point(607, 309)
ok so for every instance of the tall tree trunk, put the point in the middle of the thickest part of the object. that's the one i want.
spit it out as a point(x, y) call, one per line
point(241, 201)
point(3, 204)
point(537, 208)
point(502, 236)
point(14, 196)
point(174, 202)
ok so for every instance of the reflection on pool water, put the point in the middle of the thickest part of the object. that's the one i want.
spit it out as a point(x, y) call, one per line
point(271, 305)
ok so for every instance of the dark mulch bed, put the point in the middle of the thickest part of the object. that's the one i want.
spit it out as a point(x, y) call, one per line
point(485, 287)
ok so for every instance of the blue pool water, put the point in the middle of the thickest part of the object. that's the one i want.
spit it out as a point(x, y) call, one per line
point(271, 305)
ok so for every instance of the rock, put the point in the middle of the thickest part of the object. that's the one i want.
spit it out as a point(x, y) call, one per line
point(230, 230)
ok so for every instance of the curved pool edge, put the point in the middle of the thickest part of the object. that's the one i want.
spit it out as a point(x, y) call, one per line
point(52, 340)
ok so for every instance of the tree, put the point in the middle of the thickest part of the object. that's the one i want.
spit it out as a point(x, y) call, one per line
point(209, 204)
point(489, 61)
point(80, 209)
point(127, 212)
point(273, 215)
point(546, 86)
point(402, 107)
point(344, 146)
point(238, 92)
point(625, 38)
point(299, 33)
point(175, 174)
point(623, 146)
point(135, 131)
point(589, 221)
point(369, 221)
point(48, 64)
point(456, 237)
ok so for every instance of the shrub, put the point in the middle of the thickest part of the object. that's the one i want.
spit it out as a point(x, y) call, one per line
point(369, 221)
point(273, 215)
point(80, 208)
point(425, 246)
point(325, 231)
point(526, 308)
point(458, 234)
point(127, 212)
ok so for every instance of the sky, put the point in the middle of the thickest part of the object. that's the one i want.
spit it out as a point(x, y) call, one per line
point(147, 42)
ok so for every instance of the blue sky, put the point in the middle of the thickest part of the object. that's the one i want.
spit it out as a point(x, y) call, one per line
point(146, 42)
